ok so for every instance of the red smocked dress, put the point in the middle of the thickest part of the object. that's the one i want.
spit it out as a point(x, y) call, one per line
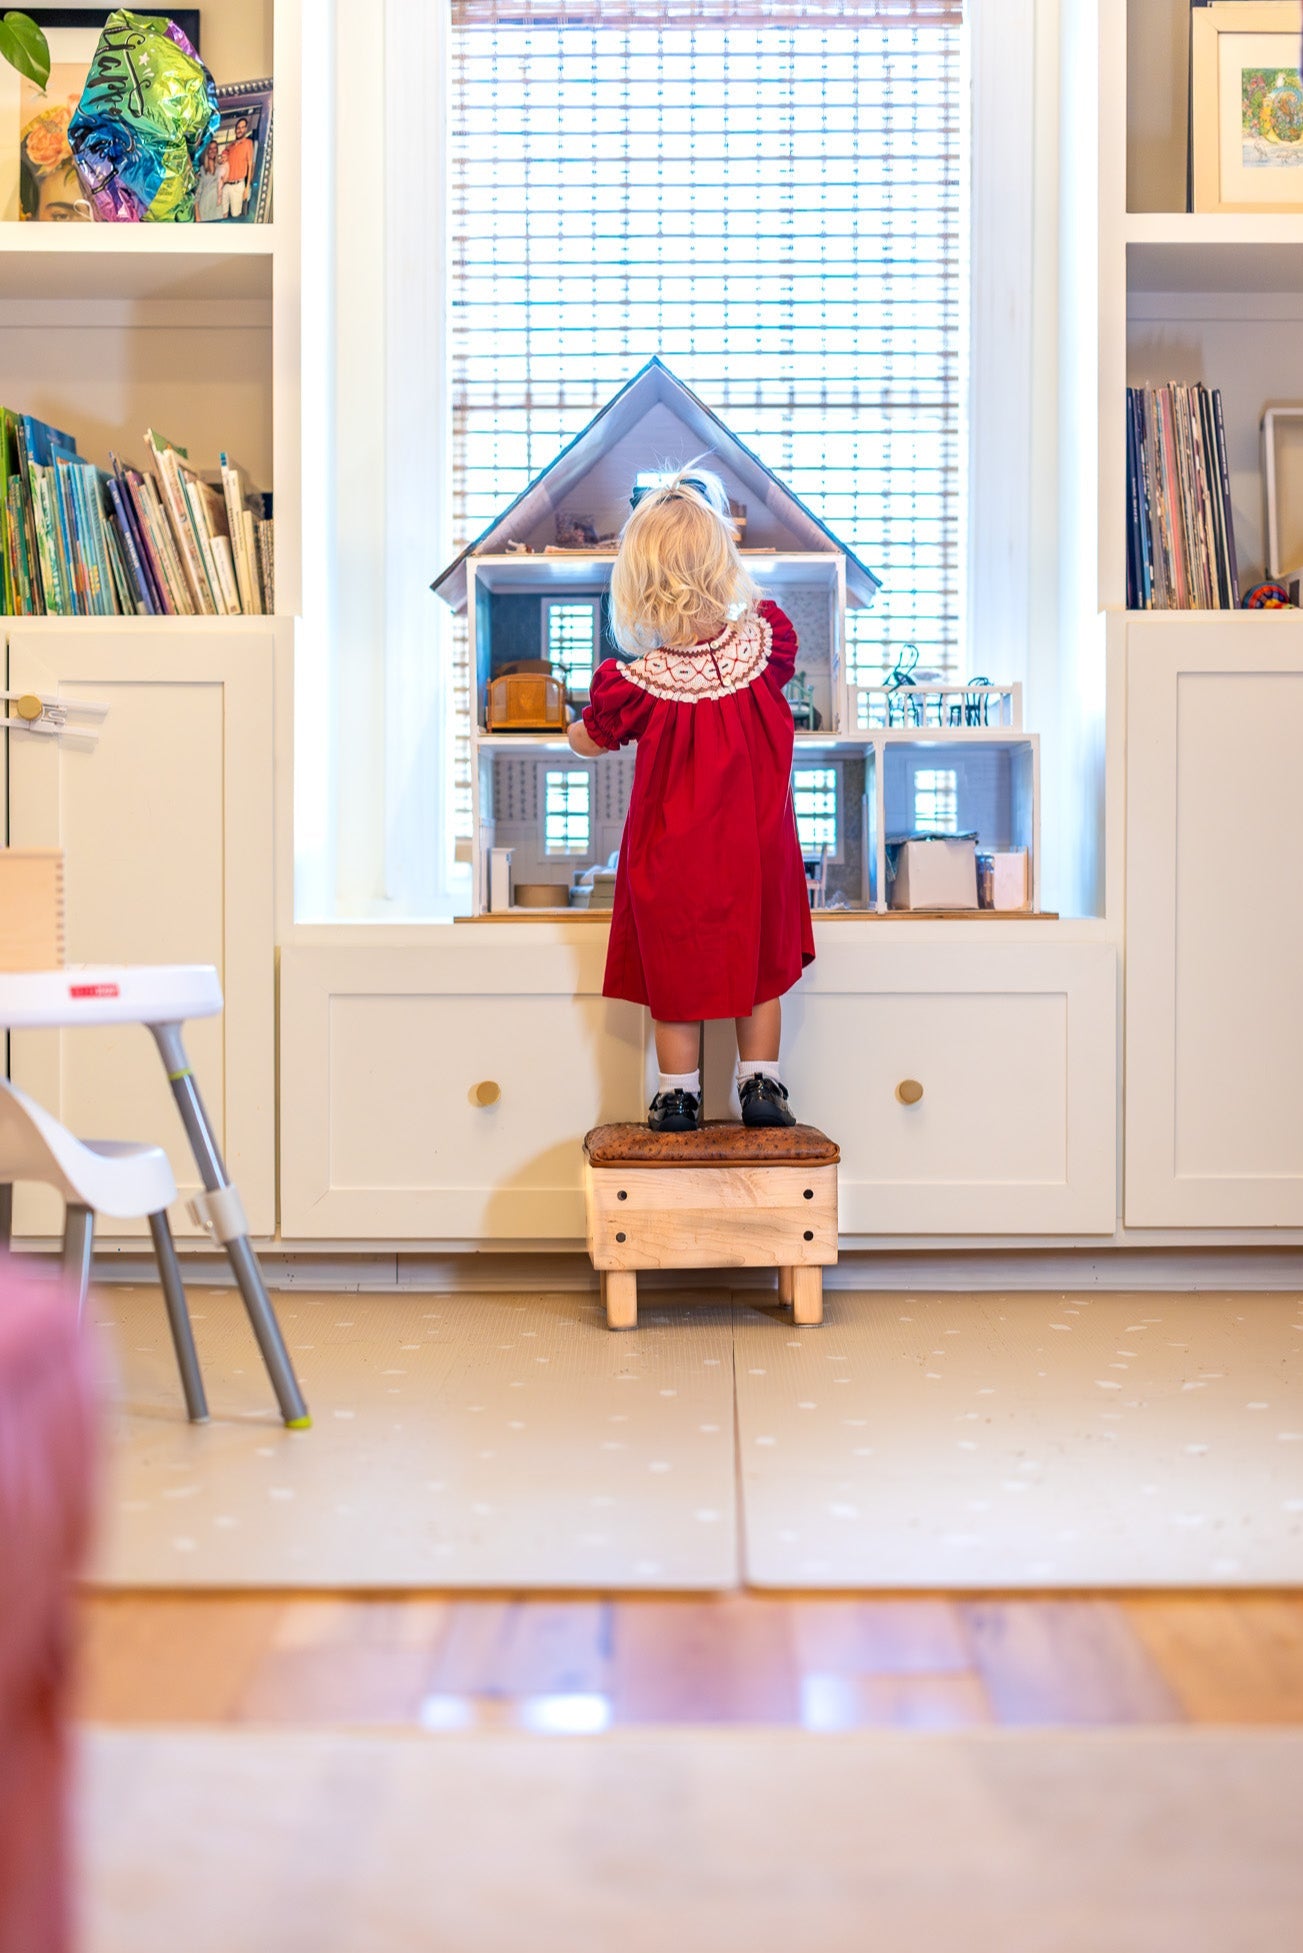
point(711, 911)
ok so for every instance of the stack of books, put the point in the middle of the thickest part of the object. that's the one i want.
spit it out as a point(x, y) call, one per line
point(82, 542)
point(1180, 531)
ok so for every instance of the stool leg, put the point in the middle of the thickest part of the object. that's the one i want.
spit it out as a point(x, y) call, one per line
point(620, 1298)
point(178, 1317)
point(239, 1252)
point(78, 1240)
point(6, 1214)
point(807, 1296)
point(785, 1287)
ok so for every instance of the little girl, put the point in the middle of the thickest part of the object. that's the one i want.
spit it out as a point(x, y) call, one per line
point(711, 916)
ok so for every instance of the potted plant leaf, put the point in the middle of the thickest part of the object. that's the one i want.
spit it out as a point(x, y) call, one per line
point(24, 46)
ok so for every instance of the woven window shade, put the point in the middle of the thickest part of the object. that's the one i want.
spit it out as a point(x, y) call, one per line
point(769, 196)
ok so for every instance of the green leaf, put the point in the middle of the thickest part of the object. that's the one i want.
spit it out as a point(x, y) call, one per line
point(24, 46)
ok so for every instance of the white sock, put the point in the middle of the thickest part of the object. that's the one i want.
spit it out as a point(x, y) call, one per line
point(679, 1081)
point(759, 1068)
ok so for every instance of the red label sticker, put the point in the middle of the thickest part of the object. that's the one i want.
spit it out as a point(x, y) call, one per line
point(93, 990)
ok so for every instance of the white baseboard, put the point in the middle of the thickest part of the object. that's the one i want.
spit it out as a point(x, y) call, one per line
point(1189, 1269)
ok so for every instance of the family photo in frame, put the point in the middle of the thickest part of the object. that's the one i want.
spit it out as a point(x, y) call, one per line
point(235, 173)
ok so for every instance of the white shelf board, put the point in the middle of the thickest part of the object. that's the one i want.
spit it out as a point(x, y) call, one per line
point(805, 741)
point(524, 573)
point(136, 261)
point(541, 742)
point(1216, 252)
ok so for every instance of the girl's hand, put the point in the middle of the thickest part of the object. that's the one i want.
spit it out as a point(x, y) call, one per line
point(582, 742)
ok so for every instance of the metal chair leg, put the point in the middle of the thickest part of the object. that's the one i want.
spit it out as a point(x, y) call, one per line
point(78, 1241)
point(239, 1250)
point(178, 1317)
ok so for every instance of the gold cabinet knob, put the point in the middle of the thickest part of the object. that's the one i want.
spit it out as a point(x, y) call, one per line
point(487, 1092)
point(29, 706)
point(909, 1091)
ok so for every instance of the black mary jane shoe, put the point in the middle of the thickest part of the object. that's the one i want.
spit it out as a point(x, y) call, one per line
point(764, 1102)
point(674, 1112)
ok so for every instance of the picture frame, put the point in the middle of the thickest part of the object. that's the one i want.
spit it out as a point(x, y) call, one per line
point(38, 182)
point(1246, 112)
point(245, 133)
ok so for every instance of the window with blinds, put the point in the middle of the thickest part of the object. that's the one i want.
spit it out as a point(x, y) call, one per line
point(768, 195)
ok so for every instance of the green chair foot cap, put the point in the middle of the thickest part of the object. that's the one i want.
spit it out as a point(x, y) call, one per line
point(298, 1424)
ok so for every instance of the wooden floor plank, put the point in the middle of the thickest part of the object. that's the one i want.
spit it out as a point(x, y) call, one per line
point(372, 1657)
point(524, 1647)
point(878, 1637)
point(726, 1659)
point(795, 1660)
point(1065, 1661)
point(171, 1657)
point(1225, 1659)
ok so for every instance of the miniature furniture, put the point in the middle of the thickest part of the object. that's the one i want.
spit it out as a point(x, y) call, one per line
point(46, 1458)
point(100, 1176)
point(162, 998)
point(725, 1196)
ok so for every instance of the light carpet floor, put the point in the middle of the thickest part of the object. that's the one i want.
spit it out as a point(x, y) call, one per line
point(1000, 1842)
point(959, 1441)
point(914, 1441)
point(457, 1441)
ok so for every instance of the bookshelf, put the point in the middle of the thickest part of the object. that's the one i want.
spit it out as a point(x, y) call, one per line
point(170, 825)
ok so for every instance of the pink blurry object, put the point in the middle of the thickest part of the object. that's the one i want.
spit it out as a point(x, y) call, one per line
point(47, 1435)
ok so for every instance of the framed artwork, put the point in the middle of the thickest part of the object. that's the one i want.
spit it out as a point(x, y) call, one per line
point(235, 173)
point(38, 179)
point(1246, 118)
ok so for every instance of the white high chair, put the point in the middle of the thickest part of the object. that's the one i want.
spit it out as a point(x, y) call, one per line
point(99, 1176)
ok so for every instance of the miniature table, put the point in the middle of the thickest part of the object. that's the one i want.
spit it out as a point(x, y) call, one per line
point(725, 1196)
point(163, 997)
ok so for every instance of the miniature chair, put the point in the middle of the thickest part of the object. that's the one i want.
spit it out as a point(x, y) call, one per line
point(725, 1196)
point(99, 1176)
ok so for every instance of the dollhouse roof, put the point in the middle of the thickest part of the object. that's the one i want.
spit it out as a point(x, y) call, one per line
point(654, 422)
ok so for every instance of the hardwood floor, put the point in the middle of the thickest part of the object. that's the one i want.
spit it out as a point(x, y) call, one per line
point(588, 1663)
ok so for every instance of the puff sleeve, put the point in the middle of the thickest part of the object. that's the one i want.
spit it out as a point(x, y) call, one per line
point(617, 710)
point(783, 648)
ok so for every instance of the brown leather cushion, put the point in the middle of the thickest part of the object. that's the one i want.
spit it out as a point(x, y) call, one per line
point(720, 1142)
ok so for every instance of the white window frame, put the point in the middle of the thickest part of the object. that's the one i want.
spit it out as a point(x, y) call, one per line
point(592, 604)
point(572, 771)
point(931, 765)
point(388, 696)
point(825, 763)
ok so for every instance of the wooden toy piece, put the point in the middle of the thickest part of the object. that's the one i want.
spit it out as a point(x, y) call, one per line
point(31, 909)
point(726, 1196)
point(526, 697)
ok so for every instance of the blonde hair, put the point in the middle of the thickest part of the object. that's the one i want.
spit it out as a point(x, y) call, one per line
point(678, 566)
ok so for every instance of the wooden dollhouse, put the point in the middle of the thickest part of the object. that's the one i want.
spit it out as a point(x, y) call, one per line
point(534, 588)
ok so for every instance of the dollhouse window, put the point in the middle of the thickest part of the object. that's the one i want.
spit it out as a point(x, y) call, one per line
point(815, 796)
point(567, 811)
point(571, 634)
point(936, 800)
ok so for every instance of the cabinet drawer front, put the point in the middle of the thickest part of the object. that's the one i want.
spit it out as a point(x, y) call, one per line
point(416, 1107)
point(712, 1217)
point(986, 1105)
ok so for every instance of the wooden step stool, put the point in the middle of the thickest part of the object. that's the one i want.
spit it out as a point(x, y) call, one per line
point(725, 1196)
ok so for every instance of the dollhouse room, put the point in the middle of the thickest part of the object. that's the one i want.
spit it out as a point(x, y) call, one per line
point(651, 1198)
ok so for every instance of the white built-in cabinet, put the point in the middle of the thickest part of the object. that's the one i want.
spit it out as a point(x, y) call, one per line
point(441, 1093)
point(1214, 921)
point(167, 823)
